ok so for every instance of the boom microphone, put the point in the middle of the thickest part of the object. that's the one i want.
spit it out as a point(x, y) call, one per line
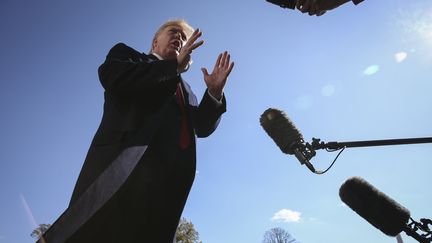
point(281, 129)
point(374, 206)
point(286, 136)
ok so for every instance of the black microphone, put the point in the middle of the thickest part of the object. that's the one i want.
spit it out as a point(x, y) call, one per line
point(374, 206)
point(284, 3)
point(286, 136)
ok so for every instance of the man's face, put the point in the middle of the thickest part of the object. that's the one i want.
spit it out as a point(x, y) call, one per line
point(169, 42)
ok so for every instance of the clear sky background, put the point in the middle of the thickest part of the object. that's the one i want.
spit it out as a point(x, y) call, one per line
point(357, 73)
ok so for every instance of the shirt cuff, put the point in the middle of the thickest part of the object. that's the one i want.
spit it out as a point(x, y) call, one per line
point(216, 101)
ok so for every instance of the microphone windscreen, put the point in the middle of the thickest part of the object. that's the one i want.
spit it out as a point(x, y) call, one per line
point(281, 129)
point(374, 206)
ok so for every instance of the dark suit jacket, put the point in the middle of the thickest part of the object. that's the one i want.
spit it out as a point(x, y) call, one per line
point(135, 179)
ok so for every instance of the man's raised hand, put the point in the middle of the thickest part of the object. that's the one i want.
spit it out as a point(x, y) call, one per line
point(216, 80)
point(184, 56)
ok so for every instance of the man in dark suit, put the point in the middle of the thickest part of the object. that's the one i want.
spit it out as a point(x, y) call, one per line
point(141, 164)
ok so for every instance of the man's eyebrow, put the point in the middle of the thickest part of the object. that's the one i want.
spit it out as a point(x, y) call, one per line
point(176, 28)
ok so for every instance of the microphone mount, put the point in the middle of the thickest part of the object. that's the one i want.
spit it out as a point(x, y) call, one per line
point(412, 228)
point(306, 151)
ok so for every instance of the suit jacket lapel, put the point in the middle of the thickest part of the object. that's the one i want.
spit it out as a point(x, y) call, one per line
point(189, 96)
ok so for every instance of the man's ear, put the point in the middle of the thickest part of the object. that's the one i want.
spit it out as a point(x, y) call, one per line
point(154, 43)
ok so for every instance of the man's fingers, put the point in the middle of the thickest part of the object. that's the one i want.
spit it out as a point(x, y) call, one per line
point(196, 45)
point(230, 68)
point(190, 44)
point(195, 31)
point(223, 61)
point(227, 61)
point(218, 61)
point(223, 66)
point(195, 35)
point(204, 71)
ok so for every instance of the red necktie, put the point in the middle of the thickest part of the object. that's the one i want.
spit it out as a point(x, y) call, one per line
point(184, 130)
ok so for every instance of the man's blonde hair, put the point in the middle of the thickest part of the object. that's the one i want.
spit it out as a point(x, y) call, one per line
point(188, 29)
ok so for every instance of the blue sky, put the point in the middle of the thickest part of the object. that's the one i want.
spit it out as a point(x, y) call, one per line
point(357, 73)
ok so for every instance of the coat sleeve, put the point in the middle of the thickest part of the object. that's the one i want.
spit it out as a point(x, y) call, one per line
point(128, 72)
point(207, 115)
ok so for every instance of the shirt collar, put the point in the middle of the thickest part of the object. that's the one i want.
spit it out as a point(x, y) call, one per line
point(157, 55)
